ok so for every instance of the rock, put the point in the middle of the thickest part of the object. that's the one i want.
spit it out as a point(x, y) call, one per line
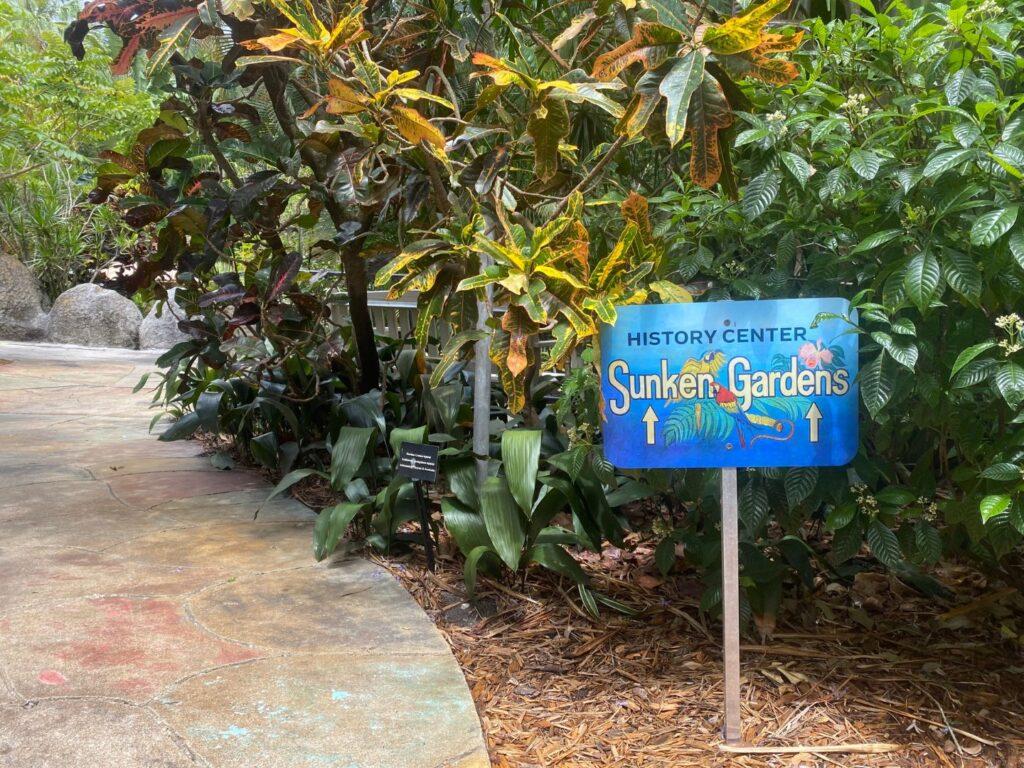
point(94, 317)
point(21, 302)
point(162, 332)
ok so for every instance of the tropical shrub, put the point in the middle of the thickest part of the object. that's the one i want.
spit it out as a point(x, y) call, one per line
point(469, 145)
point(889, 173)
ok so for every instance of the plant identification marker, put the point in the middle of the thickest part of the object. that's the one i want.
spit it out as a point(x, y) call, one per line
point(418, 461)
point(730, 384)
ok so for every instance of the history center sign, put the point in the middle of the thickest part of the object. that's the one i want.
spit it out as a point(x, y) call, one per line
point(730, 384)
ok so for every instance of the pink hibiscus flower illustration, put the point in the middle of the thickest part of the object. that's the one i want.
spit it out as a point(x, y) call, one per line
point(813, 355)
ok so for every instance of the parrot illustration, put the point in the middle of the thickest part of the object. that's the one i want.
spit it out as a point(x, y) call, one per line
point(726, 400)
point(719, 416)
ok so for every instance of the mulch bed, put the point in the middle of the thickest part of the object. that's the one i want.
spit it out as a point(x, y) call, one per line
point(875, 663)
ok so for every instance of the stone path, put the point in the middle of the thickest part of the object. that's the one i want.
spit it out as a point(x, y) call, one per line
point(147, 620)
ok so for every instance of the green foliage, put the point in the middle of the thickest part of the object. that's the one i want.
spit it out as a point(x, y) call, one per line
point(890, 173)
point(57, 115)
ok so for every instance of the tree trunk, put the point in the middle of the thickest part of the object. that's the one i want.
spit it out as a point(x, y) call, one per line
point(353, 263)
point(356, 284)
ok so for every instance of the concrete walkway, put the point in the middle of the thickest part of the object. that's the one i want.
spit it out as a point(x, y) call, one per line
point(146, 620)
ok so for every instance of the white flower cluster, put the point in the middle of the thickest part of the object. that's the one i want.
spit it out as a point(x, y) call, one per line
point(855, 105)
point(1013, 325)
point(777, 121)
point(865, 499)
point(985, 8)
point(930, 507)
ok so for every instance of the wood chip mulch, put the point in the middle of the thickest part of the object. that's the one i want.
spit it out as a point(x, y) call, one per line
point(873, 663)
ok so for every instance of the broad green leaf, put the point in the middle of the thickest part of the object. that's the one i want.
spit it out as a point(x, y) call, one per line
point(665, 555)
point(921, 279)
point(1017, 247)
point(876, 239)
point(754, 507)
point(875, 385)
point(962, 274)
point(928, 541)
point(799, 483)
point(556, 559)
point(943, 161)
point(865, 163)
point(401, 435)
point(461, 476)
point(991, 226)
point(797, 166)
point(503, 521)
point(969, 354)
point(902, 350)
point(470, 568)
point(348, 454)
point(841, 516)
point(966, 133)
point(182, 428)
point(330, 527)
point(760, 193)
point(520, 455)
point(994, 505)
point(291, 479)
point(1009, 380)
point(1004, 471)
point(467, 528)
point(677, 87)
point(884, 544)
point(973, 373)
point(846, 543)
point(959, 86)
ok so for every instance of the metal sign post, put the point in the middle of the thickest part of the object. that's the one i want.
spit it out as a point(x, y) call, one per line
point(731, 605)
point(419, 462)
point(725, 385)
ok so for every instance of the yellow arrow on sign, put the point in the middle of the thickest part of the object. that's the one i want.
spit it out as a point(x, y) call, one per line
point(650, 419)
point(813, 415)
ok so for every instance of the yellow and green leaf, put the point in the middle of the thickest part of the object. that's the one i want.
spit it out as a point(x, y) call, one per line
point(670, 293)
point(651, 44)
point(413, 253)
point(415, 128)
point(640, 107)
point(342, 99)
point(547, 126)
point(743, 32)
point(677, 87)
point(709, 114)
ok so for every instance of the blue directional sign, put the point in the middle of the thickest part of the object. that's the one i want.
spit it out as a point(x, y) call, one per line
point(730, 384)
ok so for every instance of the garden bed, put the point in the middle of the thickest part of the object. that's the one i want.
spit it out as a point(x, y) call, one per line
point(876, 663)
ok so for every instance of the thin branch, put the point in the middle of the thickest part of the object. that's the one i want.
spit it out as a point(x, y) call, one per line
point(594, 172)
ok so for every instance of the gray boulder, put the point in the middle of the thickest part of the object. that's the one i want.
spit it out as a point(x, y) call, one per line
point(94, 317)
point(162, 332)
point(21, 302)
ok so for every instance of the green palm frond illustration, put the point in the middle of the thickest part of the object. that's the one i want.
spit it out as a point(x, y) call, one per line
point(792, 407)
point(703, 419)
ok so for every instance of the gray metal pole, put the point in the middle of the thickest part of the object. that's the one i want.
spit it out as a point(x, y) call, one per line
point(731, 605)
point(482, 381)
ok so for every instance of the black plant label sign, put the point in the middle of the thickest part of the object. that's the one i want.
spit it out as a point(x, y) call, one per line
point(418, 461)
